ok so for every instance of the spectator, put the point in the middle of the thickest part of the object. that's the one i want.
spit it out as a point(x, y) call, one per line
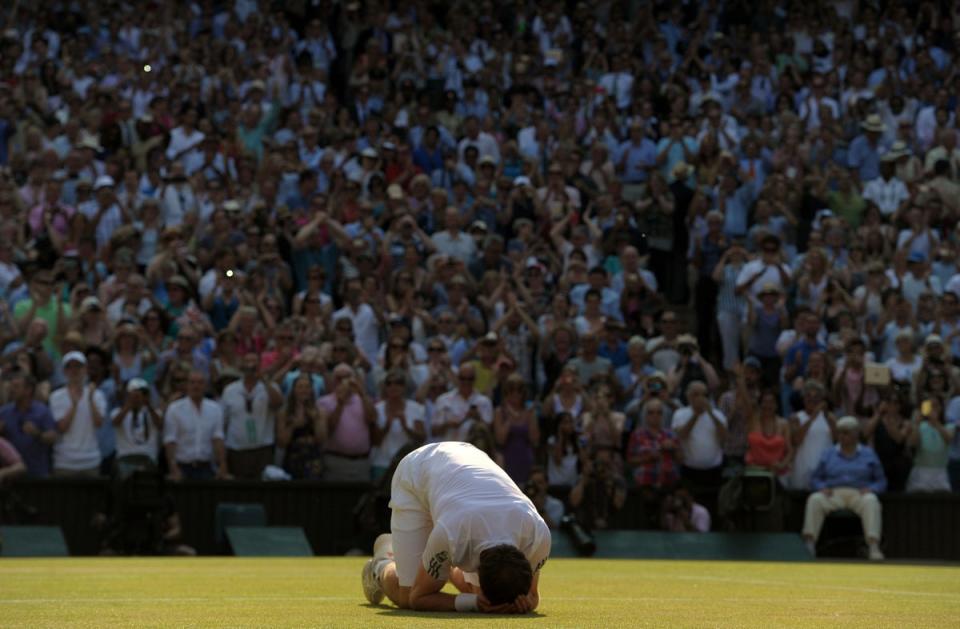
point(681, 514)
point(461, 407)
point(138, 426)
point(301, 432)
point(888, 432)
point(550, 508)
point(600, 493)
point(653, 453)
point(812, 430)
point(28, 425)
point(78, 409)
point(193, 437)
point(563, 453)
point(931, 437)
point(11, 464)
point(249, 407)
point(349, 415)
point(770, 445)
point(400, 423)
point(516, 430)
point(702, 429)
point(847, 477)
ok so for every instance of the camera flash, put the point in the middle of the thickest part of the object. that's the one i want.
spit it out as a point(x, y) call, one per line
point(147, 68)
point(229, 273)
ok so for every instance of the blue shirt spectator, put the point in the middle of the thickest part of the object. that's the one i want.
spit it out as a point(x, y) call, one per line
point(861, 471)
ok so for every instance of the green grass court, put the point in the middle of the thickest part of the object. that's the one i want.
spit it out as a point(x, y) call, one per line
point(325, 592)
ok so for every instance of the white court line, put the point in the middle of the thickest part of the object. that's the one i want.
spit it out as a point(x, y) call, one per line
point(177, 599)
point(822, 586)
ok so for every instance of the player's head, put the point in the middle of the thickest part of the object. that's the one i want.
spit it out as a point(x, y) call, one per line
point(504, 574)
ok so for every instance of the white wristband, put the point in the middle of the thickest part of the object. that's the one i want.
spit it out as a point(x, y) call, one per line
point(466, 603)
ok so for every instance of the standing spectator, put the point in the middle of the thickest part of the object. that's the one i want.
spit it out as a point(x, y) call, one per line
point(301, 432)
point(931, 437)
point(812, 430)
point(138, 426)
point(563, 453)
point(349, 415)
point(458, 409)
point(400, 422)
point(11, 463)
point(654, 454)
point(702, 429)
point(193, 434)
point(770, 446)
point(79, 409)
point(847, 477)
point(516, 430)
point(249, 407)
point(888, 432)
point(28, 424)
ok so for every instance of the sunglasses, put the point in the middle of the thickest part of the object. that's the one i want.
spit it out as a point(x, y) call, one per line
point(467, 378)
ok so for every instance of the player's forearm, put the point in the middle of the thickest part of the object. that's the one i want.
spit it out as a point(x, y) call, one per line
point(434, 602)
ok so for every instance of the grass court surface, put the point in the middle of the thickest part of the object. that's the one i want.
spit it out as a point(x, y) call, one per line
point(325, 592)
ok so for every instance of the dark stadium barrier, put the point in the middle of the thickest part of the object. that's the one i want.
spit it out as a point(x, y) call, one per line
point(268, 541)
point(916, 526)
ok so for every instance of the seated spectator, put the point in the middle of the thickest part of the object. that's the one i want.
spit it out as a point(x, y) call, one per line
point(550, 508)
point(600, 493)
point(848, 476)
point(563, 453)
point(28, 425)
point(930, 437)
point(681, 514)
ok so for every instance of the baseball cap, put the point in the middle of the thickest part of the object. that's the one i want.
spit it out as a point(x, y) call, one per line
point(137, 384)
point(74, 357)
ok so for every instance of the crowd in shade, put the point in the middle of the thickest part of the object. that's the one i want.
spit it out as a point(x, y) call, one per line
point(619, 246)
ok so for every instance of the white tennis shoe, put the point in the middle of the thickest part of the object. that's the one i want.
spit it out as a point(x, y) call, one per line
point(382, 551)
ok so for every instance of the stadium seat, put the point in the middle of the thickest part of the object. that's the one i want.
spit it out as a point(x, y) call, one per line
point(234, 514)
point(32, 541)
point(268, 541)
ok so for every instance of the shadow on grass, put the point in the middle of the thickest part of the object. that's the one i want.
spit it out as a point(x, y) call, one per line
point(396, 612)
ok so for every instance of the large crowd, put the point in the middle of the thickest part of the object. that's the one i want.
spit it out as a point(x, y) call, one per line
point(616, 245)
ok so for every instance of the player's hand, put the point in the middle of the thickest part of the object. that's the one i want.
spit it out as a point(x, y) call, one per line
point(487, 607)
point(524, 604)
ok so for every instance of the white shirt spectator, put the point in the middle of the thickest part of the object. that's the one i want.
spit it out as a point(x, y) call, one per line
point(248, 419)
point(365, 328)
point(396, 437)
point(460, 245)
point(193, 429)
point(887, 194)
point(620, 86)
point(770, 275)
point(77, 448)
point(452, 406)
point(182, 142)
point(702, 449)
point(486, 146)
point(137, 435)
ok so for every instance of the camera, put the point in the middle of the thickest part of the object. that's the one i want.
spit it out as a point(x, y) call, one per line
point(582, 541)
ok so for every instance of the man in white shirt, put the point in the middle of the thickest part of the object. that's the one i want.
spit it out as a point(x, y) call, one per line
point(485, 143)
point(366, 321)
point(78, 409)
point(453, 241)
point(887, 191)
point(702, 430)
point(193, 434)
point(457, 410)
point(249, 405)
point(768, 268)
point(457, 517)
